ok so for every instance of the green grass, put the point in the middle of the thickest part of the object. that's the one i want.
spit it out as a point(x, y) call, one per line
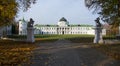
point(76, 38)
point(73, 38)
point(17, 36)
point(47, 36)
point(62, 36)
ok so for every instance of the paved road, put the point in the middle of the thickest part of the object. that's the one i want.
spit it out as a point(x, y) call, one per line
point(66, 53)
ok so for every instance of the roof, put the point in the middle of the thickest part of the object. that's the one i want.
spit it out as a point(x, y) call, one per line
point(73, 25)
point(63, 19)
point(23, 20)
point(80, 25)
point(37, 25)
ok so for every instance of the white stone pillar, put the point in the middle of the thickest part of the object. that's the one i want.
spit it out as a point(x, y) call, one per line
point(119, 29)
point(30, 34)
point(98, 35)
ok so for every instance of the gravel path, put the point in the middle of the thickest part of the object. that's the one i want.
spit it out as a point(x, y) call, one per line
point(66, 53)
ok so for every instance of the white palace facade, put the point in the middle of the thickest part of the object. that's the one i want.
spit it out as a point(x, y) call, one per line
point(63, 27)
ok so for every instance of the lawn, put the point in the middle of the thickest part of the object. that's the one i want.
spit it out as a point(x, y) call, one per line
point(51, 38)
point(63, 36)
point(75, 38)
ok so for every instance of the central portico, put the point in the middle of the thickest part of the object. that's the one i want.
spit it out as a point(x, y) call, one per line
point(63, 26)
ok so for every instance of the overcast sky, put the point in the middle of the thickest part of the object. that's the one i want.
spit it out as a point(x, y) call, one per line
point(50, 12)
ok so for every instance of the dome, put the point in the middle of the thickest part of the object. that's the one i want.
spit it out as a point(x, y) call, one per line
point(63, 19)
point(63, 22)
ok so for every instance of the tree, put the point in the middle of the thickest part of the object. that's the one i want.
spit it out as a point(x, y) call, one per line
point(109, 10)
point(10, 8)
point(15, 28)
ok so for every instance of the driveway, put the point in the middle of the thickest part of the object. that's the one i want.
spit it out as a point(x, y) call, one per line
point(65, 53)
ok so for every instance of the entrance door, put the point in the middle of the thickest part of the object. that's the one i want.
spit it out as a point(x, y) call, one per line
point(62, 32)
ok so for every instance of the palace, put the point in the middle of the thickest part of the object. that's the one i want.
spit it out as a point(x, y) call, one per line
point(63, 27)
point(5, 30)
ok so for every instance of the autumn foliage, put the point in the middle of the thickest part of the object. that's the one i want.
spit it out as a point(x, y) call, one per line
point(15, 53)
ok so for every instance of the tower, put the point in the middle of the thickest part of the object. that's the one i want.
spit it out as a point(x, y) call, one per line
point(22, 27)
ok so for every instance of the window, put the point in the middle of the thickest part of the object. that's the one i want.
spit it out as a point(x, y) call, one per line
point(20, 32)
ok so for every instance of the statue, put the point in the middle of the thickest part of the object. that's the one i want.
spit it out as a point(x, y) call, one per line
point(30, 23)
point(98, 32)
point(30, 31)
point(98, 24)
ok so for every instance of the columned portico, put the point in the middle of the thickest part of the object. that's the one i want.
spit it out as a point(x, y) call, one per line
point(63, 30)
point(63, 26)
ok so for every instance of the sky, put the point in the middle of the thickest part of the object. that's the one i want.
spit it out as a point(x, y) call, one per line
point(51, 11)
